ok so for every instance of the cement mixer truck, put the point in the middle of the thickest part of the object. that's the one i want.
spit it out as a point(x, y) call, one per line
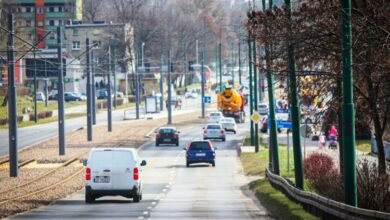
point(231, 103)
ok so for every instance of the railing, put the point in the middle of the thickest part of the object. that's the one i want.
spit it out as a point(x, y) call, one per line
point(321, 206)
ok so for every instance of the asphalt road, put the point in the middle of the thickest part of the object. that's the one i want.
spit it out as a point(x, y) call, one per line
point(171, 190)
point(34, 134)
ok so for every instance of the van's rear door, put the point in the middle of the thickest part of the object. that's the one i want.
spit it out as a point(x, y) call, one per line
point(122, 169)
point(101, 170)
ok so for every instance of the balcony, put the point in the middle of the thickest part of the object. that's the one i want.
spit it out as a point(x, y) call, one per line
point(63, 15)
point(25, 15)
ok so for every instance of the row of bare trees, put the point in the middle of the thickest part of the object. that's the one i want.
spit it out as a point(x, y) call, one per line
point(316, 37)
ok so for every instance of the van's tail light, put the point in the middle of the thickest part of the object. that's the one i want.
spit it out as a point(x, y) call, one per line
point(158, 134)
point(174, 135)
point(222, 131)
point(135, 173)
point(88, 173)
point(205, 131)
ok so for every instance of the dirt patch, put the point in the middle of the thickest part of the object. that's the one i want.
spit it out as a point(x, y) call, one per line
point(124, 134)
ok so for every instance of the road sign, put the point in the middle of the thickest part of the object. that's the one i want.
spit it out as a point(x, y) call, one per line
point(256, 117)
point(279, 110)
point(284, 124)
point(207, 99)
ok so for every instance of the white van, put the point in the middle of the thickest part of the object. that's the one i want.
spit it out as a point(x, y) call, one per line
point(113, 172)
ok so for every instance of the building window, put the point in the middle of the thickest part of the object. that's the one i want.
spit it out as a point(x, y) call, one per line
point(51, 23)
point(75, 32)
point(96, 44)
point(39, 10)
point(40, 23)
point(60, 9)
point(51, 9)
point(28, 9)
point(28, 23)
point(76, 45)
point(52, 36)
point(60, 22)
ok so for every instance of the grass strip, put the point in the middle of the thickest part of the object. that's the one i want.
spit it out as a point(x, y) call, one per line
point(277, 203)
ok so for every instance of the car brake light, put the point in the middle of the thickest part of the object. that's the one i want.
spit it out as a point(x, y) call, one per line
point(88, 173)
point(205, 131)
point(175, 135)
point(222, 131)
point(135, 174)
point(158, 134)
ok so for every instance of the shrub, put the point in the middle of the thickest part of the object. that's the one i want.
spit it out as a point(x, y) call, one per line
point(318, 164)
point(32, 117)
point(41, 115)
point(3, 121)
point(48, 114)
point(373, 188)
point(323, 176)
point(20, 119)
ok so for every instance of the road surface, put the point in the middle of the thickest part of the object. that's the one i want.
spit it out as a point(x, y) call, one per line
point(171, 190)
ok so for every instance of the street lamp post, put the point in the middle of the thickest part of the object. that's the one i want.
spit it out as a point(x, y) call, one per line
point(142, 55)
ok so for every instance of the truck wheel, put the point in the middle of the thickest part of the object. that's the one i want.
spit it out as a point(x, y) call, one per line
point(89, 198)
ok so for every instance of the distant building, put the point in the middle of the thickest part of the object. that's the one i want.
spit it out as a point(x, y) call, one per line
point(100, 34)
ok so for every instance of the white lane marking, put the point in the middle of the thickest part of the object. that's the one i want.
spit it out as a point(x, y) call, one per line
point(168, 186)
point(154, 203)
point(145, 212)
point(140, 217)
point(164, 190)
point(149, 207)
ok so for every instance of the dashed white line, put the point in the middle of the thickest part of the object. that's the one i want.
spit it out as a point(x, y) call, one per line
point(149, 207)
point(154, 203)
point(145, 212)
point(140, 217)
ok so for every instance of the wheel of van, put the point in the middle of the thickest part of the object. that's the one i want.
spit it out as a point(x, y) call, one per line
point(177, 143)
point(234, 132)
point(223, 139)
point(157, 144)
point(213, 163)
point(187, 164)
point(89, 198)
point(137, 198)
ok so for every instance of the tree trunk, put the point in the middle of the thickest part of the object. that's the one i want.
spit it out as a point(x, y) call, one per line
point(379, 141)
point(5, 100)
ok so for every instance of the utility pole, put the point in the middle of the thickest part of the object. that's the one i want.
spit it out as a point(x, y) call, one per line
point(109, 101)
point(202, 84)
point(114, 71)
point(12, 111)
point(196, 51)
point(252, 131)
point(137, 98)
point(348, 116)
point(232, 66)
point(255, 81)
point(89, 93)
point(220, 66)
point(93, 89)
point(239, 63)
point(161, 82)
point(216, 66)
point(273, 139)
point(61, 111)
point(295, 112)
point(35, 89)
point(169, 89)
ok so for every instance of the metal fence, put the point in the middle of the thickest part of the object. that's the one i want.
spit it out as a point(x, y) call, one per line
point(321, 206)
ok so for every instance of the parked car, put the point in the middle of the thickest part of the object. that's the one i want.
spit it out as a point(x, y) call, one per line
point(102, 94)
point(70, 96)
point(214, 117)
point(120, 95)
point(191, 94)
point(113, 172)
point(229, 124)
point(167, 135)
point(39, 96)
point(263, 109)
point(52, 94)
point(214, 131)
point(83, 96)
point(200, 152)
point(175, 101)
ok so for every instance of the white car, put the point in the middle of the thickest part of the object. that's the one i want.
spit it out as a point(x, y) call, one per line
point(214, 117)
point(262, 108)
point(214, 131)
point(191, 94)
point(113, 172)
point(229, 124)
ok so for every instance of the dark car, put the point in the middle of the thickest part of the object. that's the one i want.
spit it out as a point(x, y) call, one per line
point(167, 135)
point(102, 94)
point(200, 152)
point(70, 96)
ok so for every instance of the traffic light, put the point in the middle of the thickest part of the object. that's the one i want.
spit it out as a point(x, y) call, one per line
point(190, 65)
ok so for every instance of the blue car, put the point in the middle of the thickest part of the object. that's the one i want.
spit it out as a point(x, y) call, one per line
point(200, 152)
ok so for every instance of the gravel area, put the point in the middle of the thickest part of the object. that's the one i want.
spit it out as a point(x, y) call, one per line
point(124, 134)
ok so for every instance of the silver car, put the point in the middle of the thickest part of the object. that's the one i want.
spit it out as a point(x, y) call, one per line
point(214, 131)
point(229, 124)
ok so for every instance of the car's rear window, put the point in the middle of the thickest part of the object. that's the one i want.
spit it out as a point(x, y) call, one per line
point(213, 127)
point(262, 106)
point(200, 146)
point(166, 130)
point(214, 114)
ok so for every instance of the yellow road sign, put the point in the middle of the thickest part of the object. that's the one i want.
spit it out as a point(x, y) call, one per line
point(256, 117)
